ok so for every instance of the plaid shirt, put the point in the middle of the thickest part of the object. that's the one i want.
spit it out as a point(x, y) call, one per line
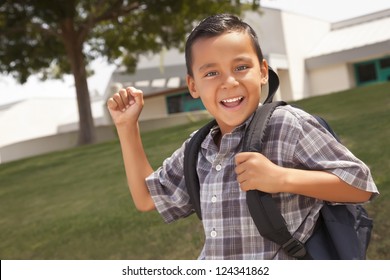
point(295, 140)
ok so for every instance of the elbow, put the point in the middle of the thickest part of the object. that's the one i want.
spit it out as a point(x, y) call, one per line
point(359, 196)
point(144, 209)
point(353, 194)
point(364, 196)
point(145, 206)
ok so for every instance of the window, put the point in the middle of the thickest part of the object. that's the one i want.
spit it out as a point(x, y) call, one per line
point(385, 63)
point(174, 104)
point(366, 72)
point(183, 103)
point(373, 71)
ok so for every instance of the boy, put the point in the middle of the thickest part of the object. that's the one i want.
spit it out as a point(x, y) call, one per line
point(302, 165)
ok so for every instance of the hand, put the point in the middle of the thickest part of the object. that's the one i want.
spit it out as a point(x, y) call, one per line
point(126, 105)
point(255, 171)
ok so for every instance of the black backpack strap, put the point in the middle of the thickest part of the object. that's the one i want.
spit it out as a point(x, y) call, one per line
point(263, 209)
point(190, 162)
point(271, 224)
point(254, 134)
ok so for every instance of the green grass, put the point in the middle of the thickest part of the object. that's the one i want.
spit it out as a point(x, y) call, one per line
point(75, 204)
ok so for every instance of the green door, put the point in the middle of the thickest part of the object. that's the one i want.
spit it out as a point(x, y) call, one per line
point(384, 69)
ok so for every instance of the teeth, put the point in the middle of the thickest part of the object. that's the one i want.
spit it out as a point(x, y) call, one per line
point(232, 100)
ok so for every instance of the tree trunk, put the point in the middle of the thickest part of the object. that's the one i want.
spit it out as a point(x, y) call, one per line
point(74, 48)
point(86, 125)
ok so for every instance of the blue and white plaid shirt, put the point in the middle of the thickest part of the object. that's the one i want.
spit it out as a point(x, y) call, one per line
point(295, 140)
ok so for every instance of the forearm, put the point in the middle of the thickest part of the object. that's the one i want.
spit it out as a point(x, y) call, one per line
point(137, 166)
point(322, 185)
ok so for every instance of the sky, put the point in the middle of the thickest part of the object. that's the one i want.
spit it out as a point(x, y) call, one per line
point(329, 10)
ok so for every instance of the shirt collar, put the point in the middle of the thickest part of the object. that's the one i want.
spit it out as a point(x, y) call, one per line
point(215, 129)
point(242, 127)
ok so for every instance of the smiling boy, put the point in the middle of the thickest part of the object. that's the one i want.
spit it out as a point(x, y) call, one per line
point(302, 165)
point(227, 76)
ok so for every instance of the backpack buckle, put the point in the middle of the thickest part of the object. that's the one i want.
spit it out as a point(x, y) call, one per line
point(294, 248)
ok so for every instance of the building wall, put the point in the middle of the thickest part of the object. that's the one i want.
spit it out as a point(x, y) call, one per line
point(330, 79)
point(155, 107)
point(51, 143)
point(267, 24)
point(285, 85)
point(301, 35)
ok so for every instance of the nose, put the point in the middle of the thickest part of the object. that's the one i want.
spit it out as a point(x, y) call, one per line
point(229, 82)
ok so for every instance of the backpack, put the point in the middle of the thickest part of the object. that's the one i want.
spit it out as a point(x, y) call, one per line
point(343, 231)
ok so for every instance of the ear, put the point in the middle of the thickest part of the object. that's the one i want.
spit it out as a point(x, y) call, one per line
point(264, 72)
point(191, 86)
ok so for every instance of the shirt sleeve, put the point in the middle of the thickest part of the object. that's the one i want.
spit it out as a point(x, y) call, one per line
point(305, 144)
point(167, 188)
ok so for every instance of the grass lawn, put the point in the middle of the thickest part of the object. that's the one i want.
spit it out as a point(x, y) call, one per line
point(75, 204)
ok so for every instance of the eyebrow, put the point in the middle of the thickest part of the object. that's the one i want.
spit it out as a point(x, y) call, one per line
point(213, 64)
point(207, 65)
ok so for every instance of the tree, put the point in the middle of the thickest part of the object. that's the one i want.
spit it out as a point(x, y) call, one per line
point(53, 38)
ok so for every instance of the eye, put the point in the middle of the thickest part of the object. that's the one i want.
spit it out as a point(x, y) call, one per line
point(211, 74)
point(241, 68)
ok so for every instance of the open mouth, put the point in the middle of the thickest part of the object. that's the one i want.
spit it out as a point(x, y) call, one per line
point(232, 102)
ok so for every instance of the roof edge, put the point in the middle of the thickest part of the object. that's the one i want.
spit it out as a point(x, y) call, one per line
point(360, 19)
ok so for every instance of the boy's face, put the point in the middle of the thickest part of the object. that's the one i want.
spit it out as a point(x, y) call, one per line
point(227, 76)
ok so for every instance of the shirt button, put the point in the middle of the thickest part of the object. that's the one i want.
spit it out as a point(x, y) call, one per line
point(218, 167)
point(214, 199)
point(213, 233)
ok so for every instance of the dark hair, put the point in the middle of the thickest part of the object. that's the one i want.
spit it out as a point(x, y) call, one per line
point(216, 25)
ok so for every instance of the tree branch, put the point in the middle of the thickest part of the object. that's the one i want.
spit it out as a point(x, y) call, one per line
point(115, 11)
point(112, 13)
point(35, 26)
point(45, 31)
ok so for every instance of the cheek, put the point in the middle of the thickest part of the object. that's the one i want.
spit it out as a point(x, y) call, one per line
point(207, 89)
point(207, 100)
point(253, 84)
